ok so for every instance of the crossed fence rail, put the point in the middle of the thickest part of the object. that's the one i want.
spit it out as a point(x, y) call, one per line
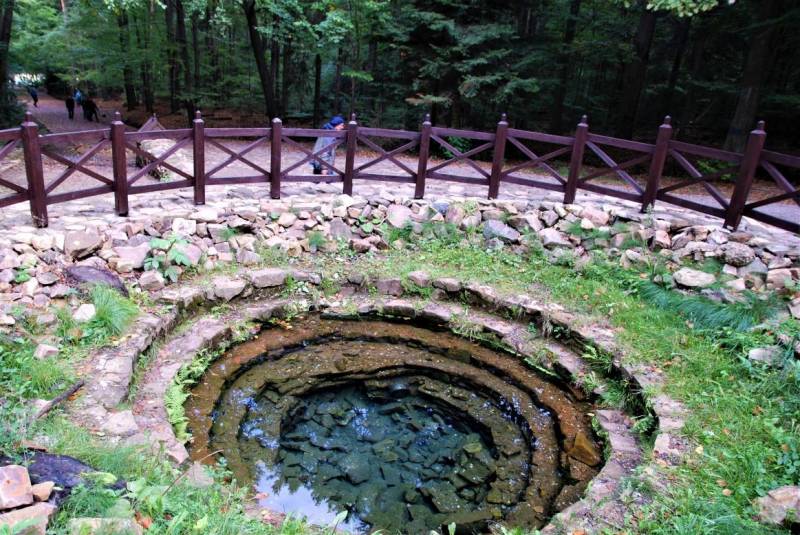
point(562, 164)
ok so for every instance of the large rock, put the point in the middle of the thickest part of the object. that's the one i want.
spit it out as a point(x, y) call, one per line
point(151, 281)
point(15, 487)
point(184, 227)
point(267, 278)
point(101, 526)
point(45, 351)
point(340, 230)
point(693, 278)
point(455, 214)
point(192, 252)
point(552, 237)
point(120, 423)
point(738, 254)
point(84, 313)
point(597, 217)
point(498, 229)
point(779, 506)
point(778, 278)
point(131, 258)
point(398, 215)
point(81, 244)
point(87, 275)
point(34, 517)
point(227, 289)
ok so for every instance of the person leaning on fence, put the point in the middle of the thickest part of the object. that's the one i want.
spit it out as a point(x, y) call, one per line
point(329, 143)
point(70, 102)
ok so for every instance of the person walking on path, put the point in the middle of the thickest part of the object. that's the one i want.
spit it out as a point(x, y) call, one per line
point(90, 110)
point(329, 143)
point(70, 102)
point(78, 96)
point(34, 95)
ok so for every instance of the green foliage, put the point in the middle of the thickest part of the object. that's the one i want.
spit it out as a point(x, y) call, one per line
point(113, 313)
point(167, 256)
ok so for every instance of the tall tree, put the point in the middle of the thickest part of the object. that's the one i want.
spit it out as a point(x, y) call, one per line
point(565, 67)
point(259, 52)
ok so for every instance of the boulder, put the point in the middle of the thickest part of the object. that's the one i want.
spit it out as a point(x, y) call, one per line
point(120, 423)
point(84, 313)
point(267, 278)
point(247, 258)
point(420, 278)
point(131, 258)
point(35, 518)
point(389, 287)
point(15, 487)
point(192, 252)
point(340, 230)
point(184, 227)
point(738, 254)
point(287, 219)
point(778, 278)
point(398, 215)
point(693, 278)
point(227, 289)
point(151, 281)
point(585, 450)
point(552, 238)
point(768, 355)
point(497, 229)
point(597, 217)
point(81, 244)
point(87, 275)
point(780, 506)
point(45, 351)
point(447, 284)
point(525, 222)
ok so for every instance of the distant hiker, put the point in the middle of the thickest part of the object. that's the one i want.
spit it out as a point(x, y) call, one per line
point(34, 95)
point(78, 96)
point(90, 110)
point(70, 102)
point(329, 143)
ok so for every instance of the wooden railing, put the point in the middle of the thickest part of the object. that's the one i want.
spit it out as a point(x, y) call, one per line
point(564, 164)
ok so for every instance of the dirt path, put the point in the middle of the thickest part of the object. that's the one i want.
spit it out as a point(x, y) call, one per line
point(52, 113)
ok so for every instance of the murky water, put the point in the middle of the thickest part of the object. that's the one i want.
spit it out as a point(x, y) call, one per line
point(404, 429)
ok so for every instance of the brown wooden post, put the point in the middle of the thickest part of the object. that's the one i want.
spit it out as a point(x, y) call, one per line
point(575, 162)
point(499, 156)
point(424, 154)
point(119, 165)
point(747, 172)
point(657, 163)
point(275, 159)
point(33, 169)
point(350, 156)
point(199, 156)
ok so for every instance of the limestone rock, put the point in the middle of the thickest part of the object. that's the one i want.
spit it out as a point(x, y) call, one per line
point(778, 278)
point(597, 217)
point(84, 313)
point(42, 491)
point(585, 450)
point(287, 219)
point(398, 215)
point(247, 258)
point(693, 278)
point(267, 278)
point(87, 275)
point(738, 254)
point(448, 284)
point(768, 355)
point(227, 289)
point(192, 252)
point(779, 506)
point(120, 423)
point(151, 281)
point(135, 255)
point(389, 287)
point(340, 230)
point(15, 487)
point(455, 214)
point(498, 229)
point(525, 222)
point(45, 351)
point(420, 278)
point(81, 244)
point(552, 237)
point(184, 227)
point(37, 516)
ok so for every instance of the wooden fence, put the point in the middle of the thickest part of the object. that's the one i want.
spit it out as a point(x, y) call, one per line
point(590, 157)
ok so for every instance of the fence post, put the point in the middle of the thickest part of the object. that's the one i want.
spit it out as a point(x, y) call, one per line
point(119, 165)
point(199, 157)
point(33, 169)
point(575, 162)
point(424, 153)
point(747, 171)
point(350, 156)
point(498, 157)
point(275, 159)
point(657, 163)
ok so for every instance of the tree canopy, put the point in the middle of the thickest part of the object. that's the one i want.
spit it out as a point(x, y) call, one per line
point(715, 66)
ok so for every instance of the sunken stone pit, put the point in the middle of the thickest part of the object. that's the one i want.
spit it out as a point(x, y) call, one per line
point(403, 428)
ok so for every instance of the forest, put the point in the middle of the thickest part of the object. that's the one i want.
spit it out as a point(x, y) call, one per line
point(714, 66)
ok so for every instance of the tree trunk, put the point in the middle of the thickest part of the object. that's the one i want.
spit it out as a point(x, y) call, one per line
point(127, 70)
point(565, 61)
point(634, 74)
point(146, 65)
point(196, 49)
point(758, 58)
point(287, 61)
point(6, 20)
point(172, 58)
point(257, 44)
point(183, 50)
point(317, 90)
point(337, 83)
point(681, 38)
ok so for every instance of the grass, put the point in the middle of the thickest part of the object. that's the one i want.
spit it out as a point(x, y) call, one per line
point(743, 420)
